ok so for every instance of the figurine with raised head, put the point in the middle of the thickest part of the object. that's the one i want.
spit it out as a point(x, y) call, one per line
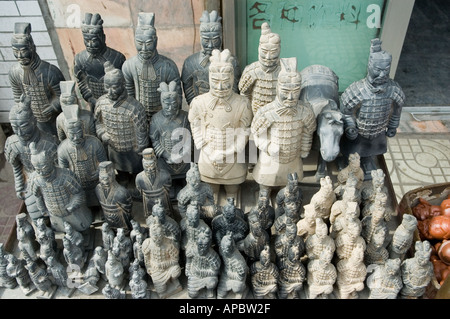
point(6, 280)
point(57, 272)
point(307, 226)
point(170, 226)
point(403, 237)
point(220, 123)
point(107, 236)
point(235, 270)
point(43, 229)
point(37, 79)
point(203, 270)
point(115, 199)
point(73, 255)
point(321, 276)
point(350, 215)
point(417, 272)
point(125, 247)
point(324, 198)
point(283, 130)
point(227, 222)
point(351, 274)
point(88, 64)
point(26, 236)
point(255, 241)
point(16, 269)
point(291, 215)
point(264, 211)
point(161, 255)
point(170, 133)
point(353, 172)
point(285, 240)
point(376, 252)
point(154, 184)
point(264, 276)
point(259, 79)
point(114, 271)
point(289, 193)
point(111, 292)
point(40, 277)
point(71, 108)
point(375, 220)
point(349, 197)
point(146, 70)
point(138, 287)
point(371, 110)
point(121, 123)
point(195, 71)
point(385, 282)
point(18, 153)
point(348, 240)
point(292, 275)
point(320, 241)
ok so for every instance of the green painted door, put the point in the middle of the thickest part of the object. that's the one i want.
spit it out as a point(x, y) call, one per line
point(334, 33)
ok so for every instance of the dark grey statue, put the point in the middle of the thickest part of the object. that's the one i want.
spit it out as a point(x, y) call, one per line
point(26, 236)
point(88, 64)
point(16, 269)
point(227, 222)
point(264, 276)
point(6, 281)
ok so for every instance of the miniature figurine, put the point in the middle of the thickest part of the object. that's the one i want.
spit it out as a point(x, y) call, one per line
point(136, 267)
point(203, 270)
point(170, 133)
point(283, 130)
point(146, 70)
point(107, 236)
point(371, 108)
point(138, 287)
point(369, 191)
point(40, 278)
point(307, 226)
point(46, 249)
point(285, 240)
point(37, 79)
point(375, 220)
point(136, 228)
point(376, 252)
point(111, 292)
point(123, 243)
point(75, 237)
point(351, 274)
point(220, 123)
point(59, 193)
point(171, 227)
point(57, 272)
point(259, 79)
point(235, 270)
point(154, 184)
point(229, 221)
point(194, 74)
point(73, 255)
point(386, 281)
point(16, 269)
point(18, 153)
point(324, 198)
point(91, 278)
point(290, 193)
point(6, 280)
point(137, 249)
point(114, 271)
point(291, 215)
point(352, 170)
point(320, 241)
point(99, 259)
point(403, 237)
point(348, 240)
point(264, 211)
point(264, 276)
point(436, 227)
point(72, 109)
point(161, 255)
point(417, 272)
point(349, 197)
point(350, 215)
point(121, 123)
point(82, 154)
point(88, 64)
point(42, 228)
point(255, 241)
point(292, 275)
point(321, 276)
point(115, 200)
point(26, 236)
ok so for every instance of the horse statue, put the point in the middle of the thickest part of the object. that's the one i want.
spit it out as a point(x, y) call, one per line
point(320, 90)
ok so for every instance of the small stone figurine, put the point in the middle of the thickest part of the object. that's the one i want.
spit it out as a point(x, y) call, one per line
point(37, 79)
point(18, 153)
point(348, 240)
point(403, 237)
point(6, 280)
point(264, 276)
point(137, 249)
point(146, 70)
point(111, 292)
point(320, 241)
point(417, 272)
point(203, 270)
point(351, 274)
point(46, 249)
point(292, 275)
point(114, 271)
point(371, 110)
point(376, 252)
point(171, 227)
point(123, 247)
point(170, 133)
point(57, 272)
point(284, 241)
point(42, 228)
point(340, 206)
point(99, 259)
point(73, 255)
point(138, 287)
point(324, 198)
point(107, 236)
point(40, 278)
point(283, 130)
point(88, 64)
point(307, 226)
point(136, 267)
point(386, 281)
point(350, 215)
point(264, 211)
point(255, 241)
point(227, 222)
point(220, 123)
point(26, 236)
point(368, 192)
point(352, 170)
point(234, 272)
point(194, 74)
point(321, 276)
point(16, 269)
point(290, 193)
point(259, 79)
point(291, 215)
point(74, 236)
point(115, 199)
point(121, 123)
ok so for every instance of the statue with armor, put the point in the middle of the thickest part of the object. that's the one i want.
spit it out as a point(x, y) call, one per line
point(264, 211)
point(40, 277)
point(289, 193)
point(114, 271)
point(57, 272)
point(229, 222)
point(146, 70)
point(138, 287)
point(259, 79)
point(82, 154)
point(264, 276)
point(18, 153)
point(88, 64)
point(348, 240)
point(321, 276)
point(351, 274)
point(73, 255)
point(37, 79)
point(385, 281)
point(171, 227)
point(115, 199)
point(170, 133)
point(403, 237)
point(59, 193)
point(123, 248)
point(255, 241)
point(16, 269)
point(286, 240)
point(6, 281)
point(154, 184)
point(121, 123)
point(292, 275)
point(375, 252)
point(371, 110)
point(26, 236)
point(43, 229)
point(71, 108)
point(107, 236)
point(319, 241)
point(220, 123)
point(195, 71)
point(283, 130)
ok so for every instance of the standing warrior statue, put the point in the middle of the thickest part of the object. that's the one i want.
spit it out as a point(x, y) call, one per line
point(259, 79)
point(194, 74)
point(146, 70)
point(35, 78)
point(26, 236)
point(220, 122)
point(371, 110)
point(88, 64)
point(283, 131)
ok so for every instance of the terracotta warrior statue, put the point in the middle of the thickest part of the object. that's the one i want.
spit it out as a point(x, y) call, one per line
point(255, 241)
point(385, 280)
point(264, 276)
point(321, 276)
point(320, 241)
point(170, 225)
point(194, 74)
point(292, 275)
point(37, 79)
point(26, 236)
point(146, 70)
point(220, 123)
point(88, 64)
point(18, 153)
point(286, 240)
point(39, 276)
point(289, 193)
point(283, 131)
point(371, 110)
point(229, 222)
point(403, 237)
point(115, 199)
point(264, 211)
point(259, 79)
point(114, 271)
point(6, 281)
point(16, 269)
point(351, 274)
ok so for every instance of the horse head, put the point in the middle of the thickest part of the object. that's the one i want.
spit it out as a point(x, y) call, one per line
point(330, 128)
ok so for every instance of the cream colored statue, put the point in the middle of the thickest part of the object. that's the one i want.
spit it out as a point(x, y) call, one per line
point(320, 241)
point(321, 276)
point(350, 215)
point(324, 198)
point(353, 168)
point(307, 226)
point(348, 240)
point(351, 274)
